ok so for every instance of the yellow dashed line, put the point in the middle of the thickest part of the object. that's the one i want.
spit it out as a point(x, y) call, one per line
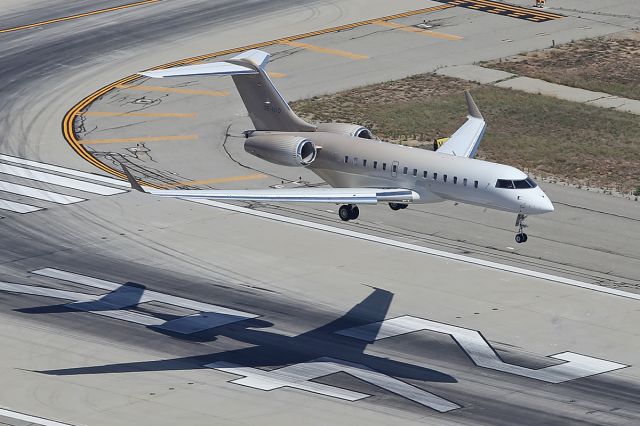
point(80, 15)
point(141, 139)
point(418, 30)
point(216, 180)
point(276, 74)
point(143, 88)
point(138, 114)
point(326, 50)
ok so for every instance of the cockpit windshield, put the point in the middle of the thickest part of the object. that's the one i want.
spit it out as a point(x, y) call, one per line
point(516, 184)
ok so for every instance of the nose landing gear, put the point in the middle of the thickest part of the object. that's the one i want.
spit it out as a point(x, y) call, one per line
point(348, 212)
point(521, 237)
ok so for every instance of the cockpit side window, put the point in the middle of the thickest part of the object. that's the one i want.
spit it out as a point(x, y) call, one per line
point(504, 183)
point(516, 184)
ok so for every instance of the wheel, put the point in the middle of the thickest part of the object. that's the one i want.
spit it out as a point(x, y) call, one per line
point(404, 206)
point(345, 212)
point(355, 212)
point(520, 238)
point(525, 238)
point(395, 206)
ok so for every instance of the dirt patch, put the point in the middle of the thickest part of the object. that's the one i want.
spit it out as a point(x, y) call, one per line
point(579, 144)
point(609, 65)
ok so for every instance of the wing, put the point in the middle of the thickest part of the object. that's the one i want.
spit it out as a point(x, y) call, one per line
point(465, 141)
point(297, 195)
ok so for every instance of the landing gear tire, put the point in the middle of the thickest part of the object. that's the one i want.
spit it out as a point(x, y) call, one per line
point(348, 212)
point(355, 212)
point(397, 206)
point(345, 212)
point(521, 238)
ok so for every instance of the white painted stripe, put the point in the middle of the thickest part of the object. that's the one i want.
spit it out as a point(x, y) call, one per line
point(58, 180)
point(417, 248)
point(71, 172)
point(18, 207)
point(32, 419)
point(40, 194)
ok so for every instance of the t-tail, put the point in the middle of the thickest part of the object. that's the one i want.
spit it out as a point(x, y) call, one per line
point(267, 108)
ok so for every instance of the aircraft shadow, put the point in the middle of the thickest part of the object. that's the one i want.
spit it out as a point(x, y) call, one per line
point(272, 350)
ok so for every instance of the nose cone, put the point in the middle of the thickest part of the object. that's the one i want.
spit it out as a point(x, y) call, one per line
point(539, 203)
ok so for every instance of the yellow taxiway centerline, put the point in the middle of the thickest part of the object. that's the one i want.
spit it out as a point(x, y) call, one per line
point(418, 30)
point(216, 180)
point(138, 114)
point(326, 50)
point(143, 88)
point(80, 15)
point(140, 139)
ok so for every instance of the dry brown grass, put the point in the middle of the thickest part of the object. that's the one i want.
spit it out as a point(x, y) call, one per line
point(577, 143)
point(609, 65)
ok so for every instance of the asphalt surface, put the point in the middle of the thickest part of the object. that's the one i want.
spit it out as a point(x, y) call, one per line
point(303, 284)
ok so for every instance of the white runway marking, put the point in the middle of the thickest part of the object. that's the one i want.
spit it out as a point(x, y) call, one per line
point(417, 248)
point(58, 180)
point(300, 376)
point(29, 418)
point(481, 353)
point(18, 207)
point(40, 194)
point(65, 170)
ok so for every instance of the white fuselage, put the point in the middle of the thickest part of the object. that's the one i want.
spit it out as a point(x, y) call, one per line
point(345, 161)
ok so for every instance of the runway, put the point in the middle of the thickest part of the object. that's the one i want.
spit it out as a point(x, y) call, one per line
point(117, 307)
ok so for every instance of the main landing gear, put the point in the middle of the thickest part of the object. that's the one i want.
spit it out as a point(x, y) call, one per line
point(348, 212)
point(398, 206)
point(521, 237)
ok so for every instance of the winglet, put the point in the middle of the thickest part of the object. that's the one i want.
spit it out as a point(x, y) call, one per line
point(132, 181)
point(474, 111)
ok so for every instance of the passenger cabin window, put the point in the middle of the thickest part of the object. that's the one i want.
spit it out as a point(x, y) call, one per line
point(464, 181)
point(346, 158)
point(394, 169)
point(455, 180)
point(405, 170)
point(375, 164)
point(384, 166)
point(415, 172)
point(435, 176)
point(364, 163)
point(444, 178)
point(424, 174)
point(475, 184)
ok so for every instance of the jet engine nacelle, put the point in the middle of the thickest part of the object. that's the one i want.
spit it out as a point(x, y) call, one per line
point(282, 149)
point(346, 129)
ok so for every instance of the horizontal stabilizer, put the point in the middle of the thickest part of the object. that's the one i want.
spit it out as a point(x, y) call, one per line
point(466, 140)
point(215, 68)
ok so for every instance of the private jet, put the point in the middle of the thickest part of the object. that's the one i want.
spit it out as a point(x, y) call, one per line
point(359, 168)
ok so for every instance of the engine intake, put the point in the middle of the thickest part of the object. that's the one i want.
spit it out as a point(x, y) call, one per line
point(282, 149)
point(346, 129)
